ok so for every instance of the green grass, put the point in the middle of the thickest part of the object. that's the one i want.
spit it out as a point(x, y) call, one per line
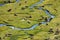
point(41, 31)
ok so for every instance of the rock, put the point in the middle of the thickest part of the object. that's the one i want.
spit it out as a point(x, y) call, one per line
point(25, 1)
point(31, 36)
point(47, 24)
point(22, 8)
point(47, 39)
point(57, 32)
point(26, 6)
point(46, 19)
point(51, 19)
point(9, 10)
point(0, 38)
point(55, 37)
point(42, 17)
point(39, 23)
point(42, 6)
point(15, 14)
point(47, 11)
point(29, 21)
point(5, 22)
point(9, 25)
point(30, 16)
point(4, 1)
point(19, 4)
point(8, 35)
point(9, 1)
point(51, 30)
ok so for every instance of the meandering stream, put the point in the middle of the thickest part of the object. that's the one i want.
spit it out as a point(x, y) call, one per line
point(35, 25)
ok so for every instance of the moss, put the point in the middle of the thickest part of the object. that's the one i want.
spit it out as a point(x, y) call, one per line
point(19, 14)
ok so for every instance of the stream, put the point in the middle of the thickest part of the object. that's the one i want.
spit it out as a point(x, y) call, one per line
point(35, 25)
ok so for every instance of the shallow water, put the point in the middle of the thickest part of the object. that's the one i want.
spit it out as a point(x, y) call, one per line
point(1, 4)
point(40, 2)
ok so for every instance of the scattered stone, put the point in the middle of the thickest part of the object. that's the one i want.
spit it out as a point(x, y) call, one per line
point(22, 19)
point(50, 19)
point(25, 1)
point(9, 1)
point(15, 14)
point(8, 35)
point(31, 36)
point(5, 22)
point(51, 30)
point(26, 6)
point(47, 39)
point(29, 21)
point(47, 24)
point(39, 23)
point(57, 32)
point(47, 11)
point(42, 17)
point(30, 16)
point(46, 19)
point(9, 25)
point(55, 9)
point(56, 37)
point(22, 8)
point(9, 10)
point(19, 4)
point(42, 6)
point(4, 1)
point(0, 38)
